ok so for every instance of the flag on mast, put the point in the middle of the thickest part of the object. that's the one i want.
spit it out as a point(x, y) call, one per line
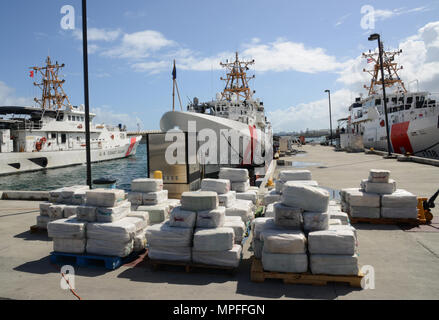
point(31, 73)
point(174, 72)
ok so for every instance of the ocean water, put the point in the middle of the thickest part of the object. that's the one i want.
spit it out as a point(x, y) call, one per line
point(124, 170)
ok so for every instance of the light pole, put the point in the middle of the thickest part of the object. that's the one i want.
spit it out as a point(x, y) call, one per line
point(372, 37)
point(330, 117)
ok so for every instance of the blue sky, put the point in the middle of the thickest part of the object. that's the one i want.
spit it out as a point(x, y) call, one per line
point(301, 49)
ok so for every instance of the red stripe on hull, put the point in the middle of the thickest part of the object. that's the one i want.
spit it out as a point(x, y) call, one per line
point(130, 148)
point(400, 139)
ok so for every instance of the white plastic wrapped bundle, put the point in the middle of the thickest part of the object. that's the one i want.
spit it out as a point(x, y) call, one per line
point(152, 198)
point(287, 216)
point(359, 198)
point(229, 258)
point(42, 221)
point(219, 186)
point(399, 199)
point(163, 234)
point(261, 224)
point(56, 211)
point(243, 209)
point(344, 193)
point(199, 200)
point(69, 245)
point(269, 210)
point(227, 199)
point(364, 212)
point(144, 215)
point(172, 203)
point(344, 227)
point(182, 218)
point(211, 218)
point(118, 231)
point(400, 213)
point(113, 213)
point(109, 248)
point(139, 242)
point(238, 228)
point(146, 185)
point(79, 196)
point(280, 184)
point(240, 186)
point(55, 195)
point(378, 187)
point(285, 241)
point(139, 223)
point(334, 264)
point(342, 216)
point(86, 213)
point(69, 211)
point(44, 208)
point(341, 241)
point(104, 197)
point(157, 213)
point(271, 197)
point(380, 176)
point(306, 197)
point(135, 198)
point(280, 262)
point(289, 175)
point(183, 254)
point(258, 246)
point(218, 239)
point(344, 206)
point(315, 221)
point(250, 195)
point(335, 222)
point(67, 193)
point(66, 228)
point(234, 174)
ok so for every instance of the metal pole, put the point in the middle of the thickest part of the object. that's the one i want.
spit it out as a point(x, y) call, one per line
point(86, 100)
point(330, 117)
point(384, 95)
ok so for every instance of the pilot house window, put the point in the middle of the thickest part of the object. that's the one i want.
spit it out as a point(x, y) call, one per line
point(63, 138)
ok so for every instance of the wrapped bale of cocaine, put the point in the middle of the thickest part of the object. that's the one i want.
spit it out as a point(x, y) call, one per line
point(271, 197)
point(334, 264)
point(243, 209)
point(112, 238)
point(379, 176)
point(239, 178)
point(284, 251)
point(56, 211)
point(86, 213)
point(279, 184)
point(293, 175)
point(259, 225)
point(139, 240)
point(362, 204)
point(269, 210)
point(69, 235)
point(216, 247)
point(70, 210)
point(199, 200)
point(241, 186)
point(227, 199)
point(238, 227)
point(156, 197)
point(110, 214)
point(169, 242)
point(401, 205)
point(214, 218)
point(182, 218)
point(104, 197)
point(315, 221)
point(65, 195)
point(146, 185)
point(220, 186)
point(157, 213)
point(286, 216)
point(307, 198)
point(378, 187)
point(251, 195)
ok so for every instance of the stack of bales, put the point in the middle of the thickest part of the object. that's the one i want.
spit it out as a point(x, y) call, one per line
point(379, 198)
point(148, 195)
point(282, 243)
point(299, 176)
point(239, 180)
point(102, 226)
point(62, 204)
point(226, 199)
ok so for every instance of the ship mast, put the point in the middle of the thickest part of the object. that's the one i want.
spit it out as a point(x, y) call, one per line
point(391, 68)
point(237, 80)
point(53, 95)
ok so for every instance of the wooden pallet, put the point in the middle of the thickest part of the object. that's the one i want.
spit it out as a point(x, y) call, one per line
point(37, 229)
point(188, 266)
point(392, 221)
point(89, 260)
point(257, 274)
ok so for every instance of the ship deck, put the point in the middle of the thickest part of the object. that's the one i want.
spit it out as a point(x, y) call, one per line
point(405, 261)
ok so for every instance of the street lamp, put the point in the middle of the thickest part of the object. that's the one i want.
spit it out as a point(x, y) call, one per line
point(373, 37)
point(330, 118)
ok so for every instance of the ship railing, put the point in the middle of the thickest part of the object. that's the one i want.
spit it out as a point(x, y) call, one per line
point(29, 125)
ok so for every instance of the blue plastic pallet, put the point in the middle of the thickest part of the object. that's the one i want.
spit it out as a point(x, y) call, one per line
point(87, 260)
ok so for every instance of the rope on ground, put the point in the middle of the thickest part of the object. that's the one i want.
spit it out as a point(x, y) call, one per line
point(68, 283)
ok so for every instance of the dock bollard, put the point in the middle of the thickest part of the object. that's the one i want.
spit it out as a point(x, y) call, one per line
point(158, 174)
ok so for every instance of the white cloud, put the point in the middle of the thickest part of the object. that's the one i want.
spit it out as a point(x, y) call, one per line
point(139, 45)
point(96, 34)
point(342, 19)
point(106, 114)
point(8, 98)
point(383, 14)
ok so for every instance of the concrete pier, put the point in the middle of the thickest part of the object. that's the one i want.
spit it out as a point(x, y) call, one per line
point(405, 262)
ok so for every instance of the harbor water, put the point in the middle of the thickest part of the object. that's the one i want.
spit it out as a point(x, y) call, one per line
point(124, 170)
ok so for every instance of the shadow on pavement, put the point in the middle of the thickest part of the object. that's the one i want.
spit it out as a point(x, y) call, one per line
point(38, 236)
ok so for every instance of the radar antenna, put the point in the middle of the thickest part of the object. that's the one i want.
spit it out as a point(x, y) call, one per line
point(237, 80)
